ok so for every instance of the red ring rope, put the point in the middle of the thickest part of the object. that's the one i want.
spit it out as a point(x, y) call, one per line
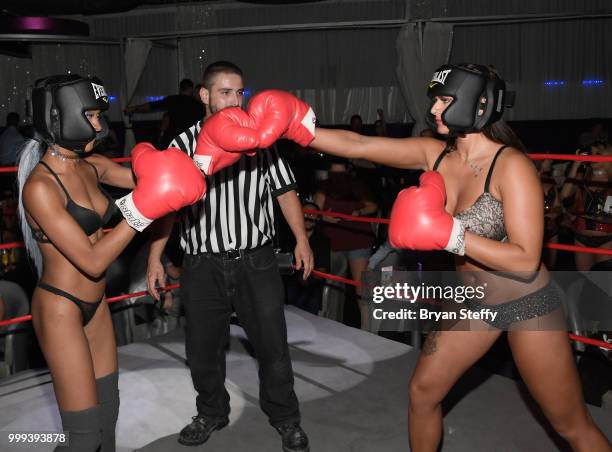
point(584, 158)
point(585, 340)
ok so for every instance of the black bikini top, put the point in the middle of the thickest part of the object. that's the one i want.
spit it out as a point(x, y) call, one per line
point(594, 201)
point(89, 220)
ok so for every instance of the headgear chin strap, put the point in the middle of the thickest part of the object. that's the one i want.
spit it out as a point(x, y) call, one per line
point(59, 104)
point(468, 86)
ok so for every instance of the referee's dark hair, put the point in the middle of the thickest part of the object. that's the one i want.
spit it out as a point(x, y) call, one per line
point(218, 67)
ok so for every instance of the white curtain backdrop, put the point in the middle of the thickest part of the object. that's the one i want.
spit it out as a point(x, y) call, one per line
point(136, 53)
point(528, 55)
point(421, 48)
point(342, 72)
point(17, 74)
point(322, 63)
point(427, 9)
point(345, 71)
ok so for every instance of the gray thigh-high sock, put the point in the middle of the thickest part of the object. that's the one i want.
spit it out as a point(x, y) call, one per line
point(84, 429)
point(108, 400)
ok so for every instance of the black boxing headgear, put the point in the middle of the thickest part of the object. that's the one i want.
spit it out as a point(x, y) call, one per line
point(478, 97)
point(59, 104)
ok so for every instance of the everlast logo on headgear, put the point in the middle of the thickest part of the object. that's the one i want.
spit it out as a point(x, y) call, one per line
point(439, 77)
point(477, 93)
point(99, 92)
point(58, 106)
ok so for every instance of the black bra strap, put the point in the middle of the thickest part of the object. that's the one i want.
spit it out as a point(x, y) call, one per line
point(440, 157)
point(488, 181)
point(56, 178)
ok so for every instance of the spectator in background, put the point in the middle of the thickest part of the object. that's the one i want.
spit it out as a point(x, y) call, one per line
point(380, 125)
point(306, 293)
point(349, 240)
point(598, 133)
point(356, 123)
point(380, 128)
point(162, 136)
point(10, 140)
point(587, 195)
point(183, 109)
point(196, 94)
point(552, 210)
point(8, 218)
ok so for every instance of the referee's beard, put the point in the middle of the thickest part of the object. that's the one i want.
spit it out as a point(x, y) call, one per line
point(211, 109)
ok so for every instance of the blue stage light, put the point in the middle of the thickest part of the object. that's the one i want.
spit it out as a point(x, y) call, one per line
point(554, 82)
point(592, 82)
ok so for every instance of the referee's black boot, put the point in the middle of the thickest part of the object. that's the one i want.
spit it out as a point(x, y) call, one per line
point(200, 430)
point(294, 438)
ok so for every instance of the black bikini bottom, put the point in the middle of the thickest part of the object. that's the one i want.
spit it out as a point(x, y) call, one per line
point(536, 304)
point(592, 241)
point(88, 309)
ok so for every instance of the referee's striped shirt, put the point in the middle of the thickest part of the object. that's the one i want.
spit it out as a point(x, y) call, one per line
point(238, 211)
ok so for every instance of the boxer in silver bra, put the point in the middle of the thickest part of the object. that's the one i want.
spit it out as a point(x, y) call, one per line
point(486, 218)
point(499, 229)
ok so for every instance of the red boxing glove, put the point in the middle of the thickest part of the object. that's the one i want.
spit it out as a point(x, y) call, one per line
point(223, 137)
point(279, 114)
point(419, 221)
point(166, 181)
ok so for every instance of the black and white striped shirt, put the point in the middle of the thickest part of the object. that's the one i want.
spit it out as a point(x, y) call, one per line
point(238, 211)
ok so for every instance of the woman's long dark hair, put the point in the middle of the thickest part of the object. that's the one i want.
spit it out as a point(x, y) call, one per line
point(502, 133)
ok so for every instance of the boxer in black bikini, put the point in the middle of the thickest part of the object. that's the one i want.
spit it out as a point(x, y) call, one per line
point(62, 210)
point(62, 207)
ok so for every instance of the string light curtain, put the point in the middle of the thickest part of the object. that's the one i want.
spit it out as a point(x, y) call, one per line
point(344, 71)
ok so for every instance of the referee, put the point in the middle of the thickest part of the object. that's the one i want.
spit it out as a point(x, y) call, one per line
point(229, 262)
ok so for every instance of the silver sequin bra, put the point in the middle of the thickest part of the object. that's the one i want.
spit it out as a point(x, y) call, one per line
point(485, 217)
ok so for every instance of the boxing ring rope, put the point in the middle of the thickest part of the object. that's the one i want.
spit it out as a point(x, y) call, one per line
point(13, 169)
point(573, 337)
point(554, 246)
point(572, 157)
point(142, 293)
point(578, 249)
point(25, 318)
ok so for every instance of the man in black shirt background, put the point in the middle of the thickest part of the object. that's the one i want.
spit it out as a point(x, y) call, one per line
point(307, 293)
point(183, 110)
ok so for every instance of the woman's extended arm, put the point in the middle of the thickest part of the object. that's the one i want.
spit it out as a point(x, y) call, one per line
point(112, 173)
point(407, 153)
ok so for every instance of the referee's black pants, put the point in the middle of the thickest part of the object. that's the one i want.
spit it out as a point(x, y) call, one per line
point(250, 281)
